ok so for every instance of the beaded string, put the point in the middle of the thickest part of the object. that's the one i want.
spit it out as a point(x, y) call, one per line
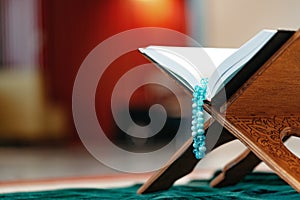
point(197, 127)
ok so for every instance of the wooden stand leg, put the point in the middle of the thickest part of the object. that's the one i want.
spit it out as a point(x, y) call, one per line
point(270, 149)
point(236, 170)
point(181, 164)
point(244, 164)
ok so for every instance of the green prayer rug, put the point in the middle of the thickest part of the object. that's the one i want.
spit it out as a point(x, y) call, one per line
point(254, 186)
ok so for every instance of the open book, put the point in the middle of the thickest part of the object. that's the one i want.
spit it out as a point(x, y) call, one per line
point(189, 64)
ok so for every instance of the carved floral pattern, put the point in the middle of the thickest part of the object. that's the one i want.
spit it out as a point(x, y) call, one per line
point(265, 131)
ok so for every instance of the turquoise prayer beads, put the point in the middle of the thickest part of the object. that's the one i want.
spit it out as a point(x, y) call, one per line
point(198, 120)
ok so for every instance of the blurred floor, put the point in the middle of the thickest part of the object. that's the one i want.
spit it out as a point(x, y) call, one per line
point(32, 168)
point(29, 163)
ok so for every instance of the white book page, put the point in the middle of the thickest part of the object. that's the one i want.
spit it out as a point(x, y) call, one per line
point(188, 64)
point(229, 67)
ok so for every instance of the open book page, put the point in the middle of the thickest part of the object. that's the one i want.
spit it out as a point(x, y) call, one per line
point(187, 64)
point(236, 61)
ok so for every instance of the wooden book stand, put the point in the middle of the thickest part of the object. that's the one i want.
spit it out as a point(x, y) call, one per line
point(262, 111)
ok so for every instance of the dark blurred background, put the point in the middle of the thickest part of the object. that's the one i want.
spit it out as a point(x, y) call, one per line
point(44, 42)
point(43, 45)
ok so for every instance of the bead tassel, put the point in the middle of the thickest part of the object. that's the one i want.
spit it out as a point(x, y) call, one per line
point(197, 127)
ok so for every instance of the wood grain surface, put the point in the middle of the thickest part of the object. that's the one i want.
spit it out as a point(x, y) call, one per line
point(261, 113)
point(267, 104)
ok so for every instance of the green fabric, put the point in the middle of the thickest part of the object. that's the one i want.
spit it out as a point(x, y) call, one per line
point(255, 186)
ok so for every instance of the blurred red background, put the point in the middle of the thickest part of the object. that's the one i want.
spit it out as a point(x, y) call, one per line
point(72, 28)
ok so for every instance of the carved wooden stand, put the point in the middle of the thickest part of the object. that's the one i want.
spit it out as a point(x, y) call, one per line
point(262, 112)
